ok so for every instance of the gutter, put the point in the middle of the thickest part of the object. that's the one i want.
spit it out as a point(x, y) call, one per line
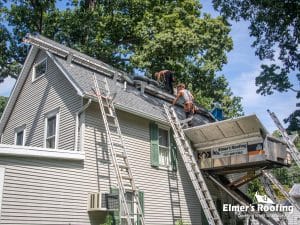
point(83, 108)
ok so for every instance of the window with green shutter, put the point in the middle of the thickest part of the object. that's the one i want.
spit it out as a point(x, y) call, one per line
point(154, 144)
point(115, 214)
point(163, 147)
point(141, 199)
point(119, 217)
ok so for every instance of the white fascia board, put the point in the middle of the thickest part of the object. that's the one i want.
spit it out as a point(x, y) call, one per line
point(27, 151)
point(17, 87)
point(67, 75)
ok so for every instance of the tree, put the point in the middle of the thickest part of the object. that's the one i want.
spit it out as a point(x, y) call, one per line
point(3, 101)
point(22, 17)
point(137, 35)
point(275, 25)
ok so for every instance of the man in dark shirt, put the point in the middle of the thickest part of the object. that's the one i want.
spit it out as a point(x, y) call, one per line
point(166, 76)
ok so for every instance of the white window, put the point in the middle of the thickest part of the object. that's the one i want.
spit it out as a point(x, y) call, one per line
point(131, 207)
point(164, 147)
point(39, 69)
point(51, 129)
point(20, 135)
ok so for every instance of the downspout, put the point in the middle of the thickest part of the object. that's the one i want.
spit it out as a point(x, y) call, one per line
point(83, 108)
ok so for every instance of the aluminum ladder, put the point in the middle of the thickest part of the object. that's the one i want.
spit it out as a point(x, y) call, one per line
point(117, 150)
point(265, 180)
point(193, 170)
point(281, 188)
point(292, 148)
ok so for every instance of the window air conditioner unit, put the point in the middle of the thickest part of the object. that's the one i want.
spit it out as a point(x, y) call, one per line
point(100, 201)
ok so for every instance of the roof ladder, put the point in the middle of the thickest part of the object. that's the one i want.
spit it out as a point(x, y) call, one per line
point(293, 150)
point(195, 174)
point(281, 188)
point(117, 150)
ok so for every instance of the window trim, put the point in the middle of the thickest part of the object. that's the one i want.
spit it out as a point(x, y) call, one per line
point(169, 166)
point(17, 130)
point(52, 113)
point(34, 78)
point(134, 217)
point(2, 177)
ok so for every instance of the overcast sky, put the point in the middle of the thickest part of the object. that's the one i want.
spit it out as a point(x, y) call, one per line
point(242, 68)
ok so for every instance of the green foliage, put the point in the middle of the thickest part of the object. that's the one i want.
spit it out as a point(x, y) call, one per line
point(253, 187)
point(143, 35)
point(3, 101)
point(275, 26)
point(294, 122)
point(108, 220)
point(180, 222)
point(291, 175)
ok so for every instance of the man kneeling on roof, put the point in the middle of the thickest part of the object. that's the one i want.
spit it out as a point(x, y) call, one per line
point(166, 76)
point(188, 101)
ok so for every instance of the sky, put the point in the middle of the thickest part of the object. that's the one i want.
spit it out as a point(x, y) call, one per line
point(242, 68)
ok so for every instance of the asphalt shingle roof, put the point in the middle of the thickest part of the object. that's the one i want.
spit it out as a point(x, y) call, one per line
point(79, 68)
point(130, 98)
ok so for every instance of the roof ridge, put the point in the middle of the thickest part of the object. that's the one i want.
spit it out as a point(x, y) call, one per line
point(75, 56)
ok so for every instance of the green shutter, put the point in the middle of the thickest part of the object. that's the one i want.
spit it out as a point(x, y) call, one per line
point(154, 144)
point(115, 214)
point(173, 152)
point(141, 199)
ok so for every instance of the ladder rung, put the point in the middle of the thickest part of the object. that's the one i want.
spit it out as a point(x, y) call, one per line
point(112, 125)
point(123, 167)
point(126, 178)
point(121, 155)
point(118, 145)
point(115, 132)
point(110, 115)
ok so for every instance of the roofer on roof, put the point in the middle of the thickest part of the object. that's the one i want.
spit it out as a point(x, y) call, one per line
point(166, 76)
point(188, 99)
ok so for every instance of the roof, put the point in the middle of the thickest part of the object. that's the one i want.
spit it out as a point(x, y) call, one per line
point(295, 191)
point(79, 69)
point(226, 131)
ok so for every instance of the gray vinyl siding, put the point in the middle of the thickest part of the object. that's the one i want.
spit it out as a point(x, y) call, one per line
point(36, 98)
point(40, 191)
point(155, 183)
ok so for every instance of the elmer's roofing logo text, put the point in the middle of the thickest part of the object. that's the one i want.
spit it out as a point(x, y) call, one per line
point(257, 208)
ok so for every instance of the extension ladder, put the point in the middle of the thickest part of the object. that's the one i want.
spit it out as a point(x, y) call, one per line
point(271, 193)
point(193, 170)
point(117, 150)
point(293, 150)
point(281, 188)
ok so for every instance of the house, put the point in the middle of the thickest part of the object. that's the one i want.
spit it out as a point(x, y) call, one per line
point(294, 216)
point(54, 152)
point(54, 148)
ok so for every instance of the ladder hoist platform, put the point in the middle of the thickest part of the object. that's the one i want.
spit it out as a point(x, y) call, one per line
point(118, 152)
point(236, 145)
